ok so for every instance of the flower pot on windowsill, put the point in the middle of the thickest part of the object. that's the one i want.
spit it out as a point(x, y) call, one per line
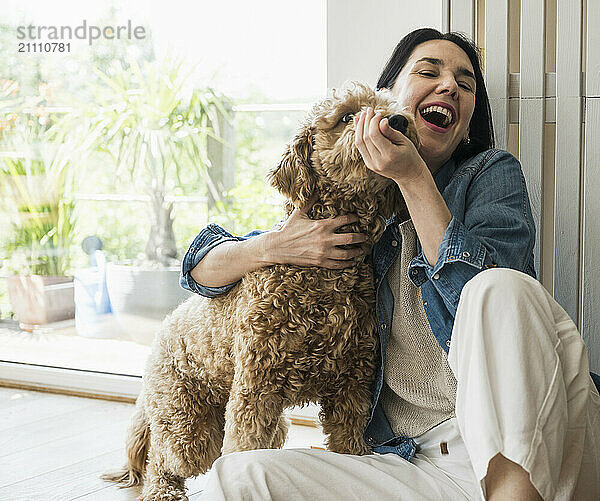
point(39, 300)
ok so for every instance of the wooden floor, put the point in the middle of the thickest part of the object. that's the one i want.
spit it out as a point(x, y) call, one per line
point(54, 447)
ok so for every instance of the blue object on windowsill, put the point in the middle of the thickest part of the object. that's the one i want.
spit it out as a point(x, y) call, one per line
point(92, 304)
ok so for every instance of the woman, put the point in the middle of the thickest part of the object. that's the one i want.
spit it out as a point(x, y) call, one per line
point(485, 390)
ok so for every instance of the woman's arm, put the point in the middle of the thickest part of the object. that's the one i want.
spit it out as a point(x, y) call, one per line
point(391, 154)
point(300, 241)
point(496, 229)
point(230, 261)
point(428, 211)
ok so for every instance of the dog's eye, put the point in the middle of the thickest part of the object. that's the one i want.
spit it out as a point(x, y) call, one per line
point(346, 118)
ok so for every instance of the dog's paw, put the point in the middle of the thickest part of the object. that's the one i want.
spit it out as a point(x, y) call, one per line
point(164, 495)
point(163, 488)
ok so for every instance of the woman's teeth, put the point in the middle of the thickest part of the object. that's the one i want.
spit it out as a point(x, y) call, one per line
point(438, 109)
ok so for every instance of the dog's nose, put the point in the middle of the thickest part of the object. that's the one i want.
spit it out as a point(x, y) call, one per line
point(398, 122)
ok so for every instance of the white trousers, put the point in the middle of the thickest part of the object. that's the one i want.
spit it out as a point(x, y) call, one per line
point(523, 390)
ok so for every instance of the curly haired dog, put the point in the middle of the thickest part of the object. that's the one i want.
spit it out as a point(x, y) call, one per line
point(223, 370)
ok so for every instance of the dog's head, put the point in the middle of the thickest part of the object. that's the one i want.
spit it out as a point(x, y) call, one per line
point(323, 154)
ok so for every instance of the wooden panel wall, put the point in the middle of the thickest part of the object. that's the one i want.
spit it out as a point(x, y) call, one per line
point(590, 272)
point(554, 100)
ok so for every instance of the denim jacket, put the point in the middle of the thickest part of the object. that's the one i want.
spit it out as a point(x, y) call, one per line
point(491, 226)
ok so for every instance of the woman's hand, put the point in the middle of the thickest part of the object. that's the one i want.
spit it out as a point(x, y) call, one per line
point(385, 150)
point(307, 242)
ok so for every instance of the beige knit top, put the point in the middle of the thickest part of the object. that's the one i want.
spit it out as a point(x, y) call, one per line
point(419, 389)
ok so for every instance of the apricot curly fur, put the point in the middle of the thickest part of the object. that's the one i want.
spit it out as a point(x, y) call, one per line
point(222, 370)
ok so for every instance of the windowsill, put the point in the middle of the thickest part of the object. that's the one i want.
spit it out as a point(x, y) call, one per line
point(59, 345)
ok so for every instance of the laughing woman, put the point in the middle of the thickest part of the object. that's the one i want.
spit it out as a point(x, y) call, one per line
point(484, 392)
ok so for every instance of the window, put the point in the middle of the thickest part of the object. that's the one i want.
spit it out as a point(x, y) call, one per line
point(86, 201)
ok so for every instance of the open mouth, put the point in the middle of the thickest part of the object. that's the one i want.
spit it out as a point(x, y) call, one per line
point(438, 116)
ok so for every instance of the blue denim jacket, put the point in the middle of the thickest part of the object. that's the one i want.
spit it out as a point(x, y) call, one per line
point(491, 226)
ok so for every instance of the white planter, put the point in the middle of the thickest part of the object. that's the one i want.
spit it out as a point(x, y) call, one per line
point(141, 297)
point(39, 300)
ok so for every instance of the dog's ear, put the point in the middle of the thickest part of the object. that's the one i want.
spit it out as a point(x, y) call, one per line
point(294, 176)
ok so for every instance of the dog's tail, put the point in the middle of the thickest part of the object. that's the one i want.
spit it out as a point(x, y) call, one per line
point(138, 442)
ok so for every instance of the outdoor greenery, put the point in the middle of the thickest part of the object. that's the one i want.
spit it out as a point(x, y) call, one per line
point(35, 187)
point(121, 122)
point(155, 134)
point(252, 203)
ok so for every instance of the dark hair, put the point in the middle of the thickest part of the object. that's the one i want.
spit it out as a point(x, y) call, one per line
point(481, 130)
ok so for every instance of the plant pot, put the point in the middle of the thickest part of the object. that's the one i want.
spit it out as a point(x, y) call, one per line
point(141, 298)
point(39, 300)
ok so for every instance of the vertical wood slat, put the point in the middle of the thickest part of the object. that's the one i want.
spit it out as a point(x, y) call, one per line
point(567, 156)
point(462, 17)
point(590, 319)
point(531, 129)
point(445, 16)
point(496, 67)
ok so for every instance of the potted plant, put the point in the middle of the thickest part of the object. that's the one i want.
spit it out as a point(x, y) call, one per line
point(154, 132)
point(34, 184)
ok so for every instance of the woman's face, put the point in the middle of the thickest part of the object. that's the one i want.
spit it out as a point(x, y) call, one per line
point(438, 73)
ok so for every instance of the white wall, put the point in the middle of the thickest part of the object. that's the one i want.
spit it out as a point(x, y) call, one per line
point(361, 35)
